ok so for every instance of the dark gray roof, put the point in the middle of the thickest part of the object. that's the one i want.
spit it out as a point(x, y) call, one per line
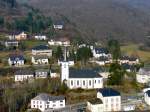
point(128, 58)
point(42, 70)
point(101, 50)
point(40, 57)
point(47, 97)
point(148, 93)
point(106, 92)
point(24, 72)
point(83, 73)
point(96, 101)
point(41, 47)
point(16, 57)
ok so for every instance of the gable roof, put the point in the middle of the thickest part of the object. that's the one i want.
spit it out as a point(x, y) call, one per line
point(47, 97)
point(108, 92)
point(24, 72)
point(128, 58)
point(101, 50)
point(83, 73)
point(16, 57)
point(41, 47)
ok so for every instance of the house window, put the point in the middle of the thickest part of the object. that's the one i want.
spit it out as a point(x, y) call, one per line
point(106, 100)
point(112, 100)
point(99, 81)
point(33, 105)
point(77, 82)
point(40, 106)
point(95, 81)
point(54, 105)
point(54, 101)
point(83, 82)
point(61, 104)
point(72, 82)
point(90, 83)
point(61, 100)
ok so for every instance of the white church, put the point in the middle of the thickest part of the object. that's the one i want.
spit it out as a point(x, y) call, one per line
point(83, 78)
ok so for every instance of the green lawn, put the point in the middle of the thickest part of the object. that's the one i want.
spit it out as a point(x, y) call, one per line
point(133, 49)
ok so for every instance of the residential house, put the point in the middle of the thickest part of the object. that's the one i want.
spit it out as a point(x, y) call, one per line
point(129, 60)
point(103, 61)
point(40, 59)
point(11, 43)
point(23, 75)
point(53, 73)
point(17, 36)
point(58, 25)
point(16, 60)
point(42, 50)
point(40, 37)
point(59, 42)
point(99, 52)
point(147, 97)
point(111, 99)
point(95, 105)
point(41, 73)
point(45, 101)
point(143, 76)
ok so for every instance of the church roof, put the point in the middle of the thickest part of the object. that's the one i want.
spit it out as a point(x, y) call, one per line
point(83, 73)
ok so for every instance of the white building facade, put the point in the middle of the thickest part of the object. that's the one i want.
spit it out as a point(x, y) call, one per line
point(84, 78)
point(147, 97)
point(95, 105)
point(40, 37)
point(143, 76)
point(16, 60)
point(42, 50)
point(40, 59)
point(23, 75)
point(111, 99)
point(45, 101)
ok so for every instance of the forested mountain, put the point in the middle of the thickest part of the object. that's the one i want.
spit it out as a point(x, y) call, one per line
point(126, 20)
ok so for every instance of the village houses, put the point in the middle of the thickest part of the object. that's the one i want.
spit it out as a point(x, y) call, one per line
point(23, 75)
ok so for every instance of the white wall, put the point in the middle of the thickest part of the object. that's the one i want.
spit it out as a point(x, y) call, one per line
point(95, 108)
point(22, 77)
point(142, 78)
point(85, 83)
point(42, 105)
point(42, 52)
point(112, 103)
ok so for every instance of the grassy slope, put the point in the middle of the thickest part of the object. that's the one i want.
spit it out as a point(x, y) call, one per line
point(133, 49)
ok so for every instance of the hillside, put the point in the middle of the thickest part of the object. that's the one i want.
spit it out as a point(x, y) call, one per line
point(126, 20)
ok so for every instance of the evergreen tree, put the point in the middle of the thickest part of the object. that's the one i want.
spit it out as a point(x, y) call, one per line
point(116, 74)
point(114, 48)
